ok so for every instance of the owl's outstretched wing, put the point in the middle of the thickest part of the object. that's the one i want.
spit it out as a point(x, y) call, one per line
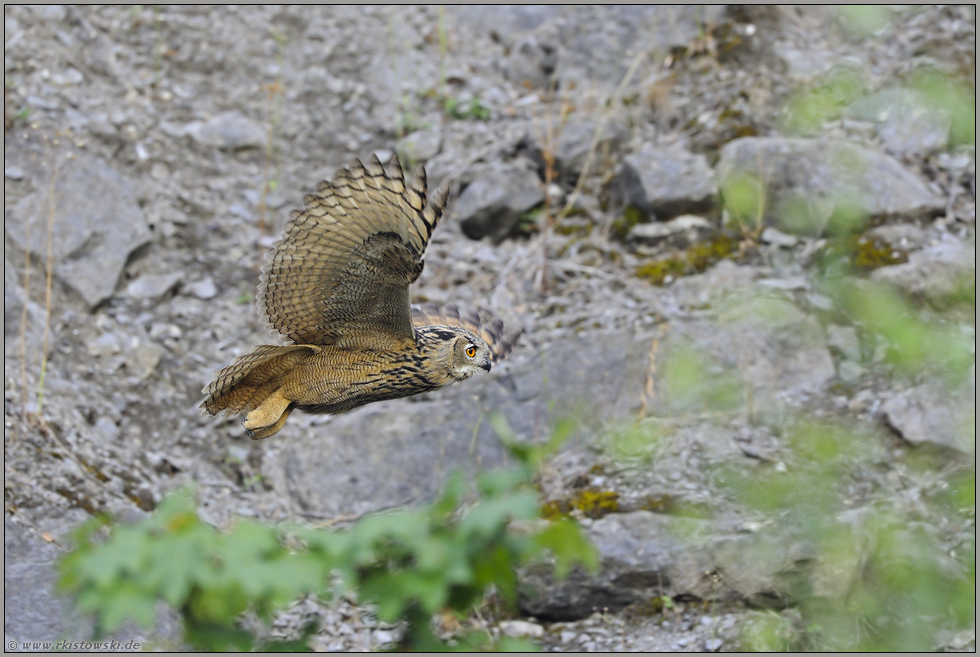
point(492, 330)
point(340, 273)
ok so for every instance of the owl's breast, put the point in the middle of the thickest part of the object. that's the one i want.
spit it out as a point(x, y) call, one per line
point(338, 380)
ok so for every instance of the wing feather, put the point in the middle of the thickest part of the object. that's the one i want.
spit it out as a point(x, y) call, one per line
point(341, 272)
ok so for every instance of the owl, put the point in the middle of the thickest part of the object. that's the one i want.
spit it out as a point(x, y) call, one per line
point(336, 288)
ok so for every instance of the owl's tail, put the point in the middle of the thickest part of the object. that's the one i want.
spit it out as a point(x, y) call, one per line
point(253, 382)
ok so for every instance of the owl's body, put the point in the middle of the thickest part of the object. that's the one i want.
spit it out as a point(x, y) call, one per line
point(337, 289)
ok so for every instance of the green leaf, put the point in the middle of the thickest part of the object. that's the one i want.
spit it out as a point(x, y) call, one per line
point(127, 602)
point(565, 540)
point(490, 515)
point(123, 554)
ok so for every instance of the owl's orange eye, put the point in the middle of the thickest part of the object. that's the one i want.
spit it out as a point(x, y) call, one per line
point(471, 351)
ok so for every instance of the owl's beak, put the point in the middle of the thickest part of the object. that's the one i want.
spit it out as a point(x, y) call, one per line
point(486, 366)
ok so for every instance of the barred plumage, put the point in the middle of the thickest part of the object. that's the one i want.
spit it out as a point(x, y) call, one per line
point(336, 287)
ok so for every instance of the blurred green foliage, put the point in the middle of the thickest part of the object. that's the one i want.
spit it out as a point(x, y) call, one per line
point(806, 114)
point(409, 564)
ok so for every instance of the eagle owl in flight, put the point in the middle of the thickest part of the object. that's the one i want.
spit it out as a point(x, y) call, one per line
point(336, 287)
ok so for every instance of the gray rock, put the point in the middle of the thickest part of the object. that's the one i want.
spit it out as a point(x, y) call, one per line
point(807, 180)
point(908, 237)
point(572, 146)
point(35, 611)
point(762, 355)
point(13, 173)
point(598, 44)
point(905, 120)
point(778, 238)
point(845, 340)
point(97, 224)
point(678, 233)
point(106, 429)
point(107, 344)
point(142, 358)
point(665, 183)
point(202, 289)
point(153, 287)
point(492, 205)
point(938, 273)
point(228, 130)
point(849, 371)
point(646, 555)
point(506, 25)
point(927, 415)
point(14, 328)
point(532, 62)
point(520, 628)
point(419, 146)
point(701, 289)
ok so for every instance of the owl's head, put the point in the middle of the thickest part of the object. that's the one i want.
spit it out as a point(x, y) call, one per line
point(455, 352)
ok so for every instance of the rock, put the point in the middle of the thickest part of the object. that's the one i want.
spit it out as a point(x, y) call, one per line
point(97, 224)
point(202, 289)
point(905, 120)
point(503, 25)
point(701, 289)
point(665, 183)
point(106, 429)
point(927, 415)
point(229, 131)
point(532, 63)
point(573, 142)
point(14, 300)
point(143, 358)
point(13, 173)
point(762, 354)
point(678, 233)
point(153, 287)
point(419, 146)
point(646, 555)
point(940, 273)
point(492, 205)
point(849, 371)
point(807, 180)
point(36, 610)
point(598, 44)
point(963, 640)
point(520, 628)
point(107, 344)
point(778, 238)
point(844, 339)
point(908, 237)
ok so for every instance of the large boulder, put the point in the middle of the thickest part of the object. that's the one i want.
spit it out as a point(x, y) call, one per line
point(665, 183)
point(805, 182)
point(647, 555)
point(940, 273)
point(493, 204)
point(96, 224)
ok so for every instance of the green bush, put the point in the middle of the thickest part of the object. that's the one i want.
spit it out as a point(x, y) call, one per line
point(410, 564)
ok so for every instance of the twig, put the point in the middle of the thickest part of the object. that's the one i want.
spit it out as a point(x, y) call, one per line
point(570, 203)
point(648, 396)
point(49, 268)
point(23, 317)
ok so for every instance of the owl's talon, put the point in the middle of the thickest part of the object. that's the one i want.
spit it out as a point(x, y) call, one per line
point(268, 413)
